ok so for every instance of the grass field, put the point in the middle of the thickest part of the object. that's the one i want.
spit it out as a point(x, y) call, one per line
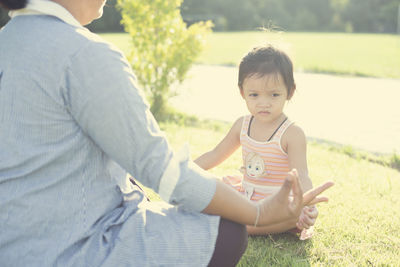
point(375, 55)
point(360, 226)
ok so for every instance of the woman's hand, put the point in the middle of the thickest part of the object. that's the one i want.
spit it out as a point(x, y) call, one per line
point(281, 207)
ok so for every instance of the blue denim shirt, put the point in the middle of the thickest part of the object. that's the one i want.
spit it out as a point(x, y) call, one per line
point(73, 121)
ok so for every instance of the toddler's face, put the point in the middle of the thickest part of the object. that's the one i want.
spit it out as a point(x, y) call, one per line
point(265, 96)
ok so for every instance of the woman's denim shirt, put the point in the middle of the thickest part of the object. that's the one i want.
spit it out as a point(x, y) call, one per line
point(73, 121)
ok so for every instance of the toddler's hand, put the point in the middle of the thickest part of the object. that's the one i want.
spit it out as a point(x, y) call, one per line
point(306, 222)
point(307, 217)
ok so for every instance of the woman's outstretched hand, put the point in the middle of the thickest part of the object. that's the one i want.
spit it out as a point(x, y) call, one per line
point(281, 207)
point(230, 204)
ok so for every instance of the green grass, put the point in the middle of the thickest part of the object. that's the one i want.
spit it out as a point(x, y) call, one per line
point(360, 226)
point(376, 55)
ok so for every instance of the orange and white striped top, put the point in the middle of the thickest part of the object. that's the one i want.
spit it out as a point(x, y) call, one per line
point(265, 164)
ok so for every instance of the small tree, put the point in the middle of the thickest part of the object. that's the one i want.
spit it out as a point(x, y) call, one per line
point(163, 48)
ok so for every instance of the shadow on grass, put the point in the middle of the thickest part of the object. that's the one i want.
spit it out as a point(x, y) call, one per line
point(317, 70)
point(277, 250)
point(387, 160)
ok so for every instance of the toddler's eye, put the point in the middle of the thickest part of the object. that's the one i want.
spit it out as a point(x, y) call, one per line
point(257, 169)
point(275, 95)
point(253, 95)
point(249, 166)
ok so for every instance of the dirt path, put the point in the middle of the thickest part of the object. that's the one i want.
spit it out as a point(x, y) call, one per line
point(361, 112)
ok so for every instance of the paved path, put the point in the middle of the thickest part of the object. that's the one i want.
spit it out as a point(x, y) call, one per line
point(361, 112)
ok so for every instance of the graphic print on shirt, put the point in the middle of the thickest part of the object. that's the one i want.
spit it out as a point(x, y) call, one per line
point(255, 168)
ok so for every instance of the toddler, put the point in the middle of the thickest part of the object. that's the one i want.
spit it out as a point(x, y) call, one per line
point(272, 145)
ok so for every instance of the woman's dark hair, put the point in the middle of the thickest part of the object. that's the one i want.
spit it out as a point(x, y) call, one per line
point(266, 60)
point(13, 4)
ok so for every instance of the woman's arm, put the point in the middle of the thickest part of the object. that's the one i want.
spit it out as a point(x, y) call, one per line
point(230, 204)
point(106, 103)
point(223, 150)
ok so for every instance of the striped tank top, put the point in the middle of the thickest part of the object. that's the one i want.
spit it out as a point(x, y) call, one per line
point(265, 164)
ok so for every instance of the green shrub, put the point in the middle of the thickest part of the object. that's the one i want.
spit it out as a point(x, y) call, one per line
point(163, 47)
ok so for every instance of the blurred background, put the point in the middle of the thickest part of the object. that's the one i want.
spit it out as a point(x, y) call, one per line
point(372, 16)
point(346, 55)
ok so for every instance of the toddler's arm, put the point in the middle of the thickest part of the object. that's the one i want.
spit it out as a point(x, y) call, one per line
point(296, 147)
point(223, 150)
point(295, 144)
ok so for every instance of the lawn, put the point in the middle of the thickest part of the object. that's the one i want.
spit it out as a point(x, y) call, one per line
point(375, 55)
point(360, 226)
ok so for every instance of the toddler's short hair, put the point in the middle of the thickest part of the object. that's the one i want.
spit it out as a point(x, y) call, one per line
point(266, 60)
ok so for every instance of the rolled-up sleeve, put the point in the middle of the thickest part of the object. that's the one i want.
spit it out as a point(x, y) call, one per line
point(103, 97)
